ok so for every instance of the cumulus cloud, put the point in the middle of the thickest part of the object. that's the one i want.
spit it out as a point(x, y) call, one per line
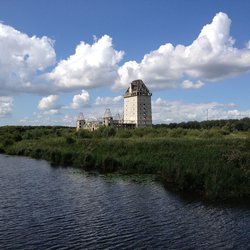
point(6, 106)
point(248, 45)
point(52, 112)
point(42, 118)
point(22, 59)
point(177, 111)
point(187, 84)
point(48, 102)
point(80, 100)
point(108, 100)
point(211, 57)
point(91, 66)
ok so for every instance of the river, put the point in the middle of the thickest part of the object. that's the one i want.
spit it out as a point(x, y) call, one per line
point(44, 207)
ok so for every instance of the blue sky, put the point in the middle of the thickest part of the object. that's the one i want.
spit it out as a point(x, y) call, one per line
point(59, 58)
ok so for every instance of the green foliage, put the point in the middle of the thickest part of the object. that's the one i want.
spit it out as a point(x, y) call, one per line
point(6, 142)
point(123, 133)
point(214, 162)
point(82, 134)
point(89, 161)
point(2, 149)
point(178, 132)
point(56, 157)
point(108, 132)
point(231, 125)
point(211, 133)
point(108, 164)
point(70, 140)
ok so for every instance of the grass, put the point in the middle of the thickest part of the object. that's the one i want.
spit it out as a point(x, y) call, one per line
point(211, 163)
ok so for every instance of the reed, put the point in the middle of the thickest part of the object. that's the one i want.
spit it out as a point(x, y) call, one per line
point(215, 166)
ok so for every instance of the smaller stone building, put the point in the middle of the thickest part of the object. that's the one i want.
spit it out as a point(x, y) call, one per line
point(107, 118)
point(81, 123)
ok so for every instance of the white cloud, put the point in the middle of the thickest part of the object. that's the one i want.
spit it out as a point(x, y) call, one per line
point(187, 84)
point(176, 111)
point(248, 45)
point(91, 66)
point(22, 59)
point(210, 57)
point(6, 106)
point(80, 100)
point(52, 112)
point(108, 100)
point(48, 102)
point(43, 118)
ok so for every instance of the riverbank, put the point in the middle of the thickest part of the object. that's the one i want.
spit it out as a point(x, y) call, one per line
point(215, 168)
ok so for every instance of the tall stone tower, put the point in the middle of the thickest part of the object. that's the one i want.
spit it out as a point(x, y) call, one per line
point(137, 105)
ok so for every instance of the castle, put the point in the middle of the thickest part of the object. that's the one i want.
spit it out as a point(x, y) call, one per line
point(137, 111)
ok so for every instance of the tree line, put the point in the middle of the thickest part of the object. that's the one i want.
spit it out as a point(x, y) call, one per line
point(230, 124)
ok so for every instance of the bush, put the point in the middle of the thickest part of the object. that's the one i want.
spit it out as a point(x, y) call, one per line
point(138, 132)
point(2, 149)
point(70, 140)
point(108, 132)
point(178, 132)
point(81, 134)
point(67, 158)
point(218, 167)
point(212, 133)
point(123, 133)
point(109, 164)
point(56, 157)
point(89, 161)
point(7, 142)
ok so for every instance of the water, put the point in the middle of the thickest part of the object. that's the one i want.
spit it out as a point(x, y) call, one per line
point(42, 207)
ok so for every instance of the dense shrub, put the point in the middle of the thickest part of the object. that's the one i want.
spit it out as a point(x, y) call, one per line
point(109, 164)
point(56, 157)
point(108, 132)
point(67, 158)
point(178, 132)
point(2, 149)
point(6, 142)
point(89, 161)
point(213, 162)
point(231, 124)
point(70, 140)
point(81, 134)
point(124, 133)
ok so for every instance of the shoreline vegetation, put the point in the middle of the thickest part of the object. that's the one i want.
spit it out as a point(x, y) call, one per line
point(210, 158)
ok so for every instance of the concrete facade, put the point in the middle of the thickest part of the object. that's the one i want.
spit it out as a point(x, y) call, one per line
point(107, 118)
point(137, 105)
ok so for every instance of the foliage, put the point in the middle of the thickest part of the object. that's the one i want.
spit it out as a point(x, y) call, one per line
point(231, 125)
point(214, 162)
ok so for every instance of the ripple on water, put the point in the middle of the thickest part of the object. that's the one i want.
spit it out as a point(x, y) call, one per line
point(57, 208)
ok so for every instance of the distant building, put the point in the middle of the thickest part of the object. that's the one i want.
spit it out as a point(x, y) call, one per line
point(80, 123)
point(107, 118)
point(137, 111)
point(137, 105)
point(92, 125)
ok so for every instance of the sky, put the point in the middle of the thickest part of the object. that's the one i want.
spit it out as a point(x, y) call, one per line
point(62, 57)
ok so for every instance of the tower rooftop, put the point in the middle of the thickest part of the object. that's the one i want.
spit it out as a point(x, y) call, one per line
point(80, 117)
point(107, 113)
point(137, 87)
